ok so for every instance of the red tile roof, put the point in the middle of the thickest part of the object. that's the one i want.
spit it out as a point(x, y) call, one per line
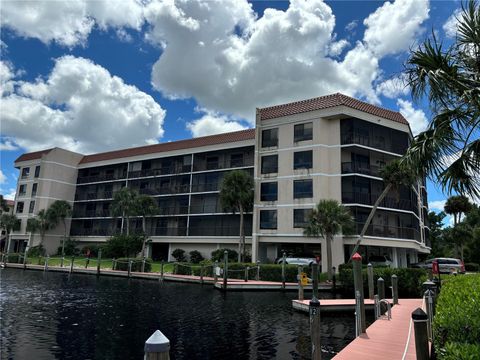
point(236, 136)
point(33, 155)
point(328, 101)
point(10, 202)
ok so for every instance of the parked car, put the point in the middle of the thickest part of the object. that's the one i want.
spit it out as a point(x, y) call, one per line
point(297, 261)
point(445, 265)
point(380, 260)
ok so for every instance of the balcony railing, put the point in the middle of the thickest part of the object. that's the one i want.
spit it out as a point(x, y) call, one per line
point(169, 231)
point(94, 195)
point(370, 199)
point(91, 213)
point(168, 170)
point(206, 187)
point(205, 208)
point(360, 168)
point(92, 232)
point(172, 210)
point(389, 231)
point(218, 165)
point(366, 140)
point(173, 189)
point(101, 177)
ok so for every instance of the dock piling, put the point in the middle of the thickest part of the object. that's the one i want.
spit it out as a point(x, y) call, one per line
point(113, 264)
point(429, 306)
point(215, 274)
point(395, 289)
point(371, 290)
point(381, 288)
point(247, 269)
point(225, 270)
point(143, 264)
point(25, 258)
point(99, 261)
point(315, 328)
point(129, 267)
point(71, 264)
point(45, 268)
point(201, 274)
point(284, 263)
point(358, 284)
point(420, 320)
point(315, 281)
point(61, 262)
point(300, 284)
point(157, 347)
point(258, 271)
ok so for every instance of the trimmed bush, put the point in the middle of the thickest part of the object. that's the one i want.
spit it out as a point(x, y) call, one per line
point(217, 255)
point(195, 257)
point(472, 267)
point(179, 255)
point(36, 251)
point(456, 326)
point(409, 280)
point(15, 258)
point(122, 264)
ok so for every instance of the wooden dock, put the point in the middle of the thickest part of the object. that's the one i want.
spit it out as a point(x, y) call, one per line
point(333, 305)
point(386, 339)
point(241, 285)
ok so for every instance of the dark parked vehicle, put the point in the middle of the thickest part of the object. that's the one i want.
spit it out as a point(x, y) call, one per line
point(445, 265)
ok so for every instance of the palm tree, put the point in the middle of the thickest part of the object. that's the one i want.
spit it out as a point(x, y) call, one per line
point(10, 223)
point(60, 211)
point(328, 219)
point(146, 206)
point(44, 221)
point(236, 194)
point(3, 204)
point(456, 206)
point(395, 174)
point(124, 205)
point(449, 149)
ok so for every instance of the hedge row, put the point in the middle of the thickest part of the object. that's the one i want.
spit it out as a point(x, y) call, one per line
point(409, 280)
point(456, 324)
point(472, 267)
point(268, 272)
point(16, 258)
point(122, 264)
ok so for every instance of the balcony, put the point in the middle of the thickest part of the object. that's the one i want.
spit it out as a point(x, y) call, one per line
point(205, 209)
point(93, 195)
point(361, 168)
point(91, 232)
point(91, 213)
point(100, 177)
point(172, 210)
point(164, 190)
point(169, 231)
point(206, 187)
point(370, 199)
point(227, 164)
point(169, 170)
point(389, 231)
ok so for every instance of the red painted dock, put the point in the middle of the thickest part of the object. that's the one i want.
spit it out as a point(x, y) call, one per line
point(386, 339)
point(333, 304)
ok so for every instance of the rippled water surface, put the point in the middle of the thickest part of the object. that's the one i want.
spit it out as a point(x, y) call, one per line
point(61, 316)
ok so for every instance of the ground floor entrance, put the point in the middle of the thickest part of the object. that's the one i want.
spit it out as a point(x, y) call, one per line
point(17, 245)
point(159, 251)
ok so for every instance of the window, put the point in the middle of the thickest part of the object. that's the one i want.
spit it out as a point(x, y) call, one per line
point(37, 171)
point(303, 132)
point(236, 160)
point(269, 164)
point(302, 189)
point(212, 162)
point(268, 219)
point(34, 189)
point(22, 190)
point(300, 217)
point(270, 137)
point(32, 207)
point(303, 159)
point(20, 207)
point(25, 172)
point(269, 191)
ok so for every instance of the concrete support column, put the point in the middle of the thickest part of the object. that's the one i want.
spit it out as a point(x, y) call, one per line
point(395, 257)
point(254, 247)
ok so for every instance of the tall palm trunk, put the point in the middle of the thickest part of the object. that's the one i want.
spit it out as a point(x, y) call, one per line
point(144, 228)
point(369, 219)
point(329, 239)
point(128, 225)
point(64, 236)
point(242, 235)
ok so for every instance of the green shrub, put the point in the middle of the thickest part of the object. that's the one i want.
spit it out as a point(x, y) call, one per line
point(36, 251)
point(15, 258)
point(217, 255)
point(179, 255)
point(122, 264)
point(472, 267)
point(122, 245)
point(457, 324)
point(409, 280)
point(195, 257)
point(70, 248)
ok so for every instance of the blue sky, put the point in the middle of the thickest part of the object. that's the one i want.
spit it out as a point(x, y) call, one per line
point(92, 76)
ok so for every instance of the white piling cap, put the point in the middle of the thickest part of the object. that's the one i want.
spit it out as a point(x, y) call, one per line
point(157, 343)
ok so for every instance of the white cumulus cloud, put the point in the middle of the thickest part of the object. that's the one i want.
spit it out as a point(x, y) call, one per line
point(393, 87)
point(3, 178)
point(211, 123)
point(451, 25)
point(437, 205)
point(416, 117)
point(80, 106)
point(68, 23)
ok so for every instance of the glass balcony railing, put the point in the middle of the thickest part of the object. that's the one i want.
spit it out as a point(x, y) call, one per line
point(387, 202)
point(389, 231)
point(361, 168)
point(101, 177)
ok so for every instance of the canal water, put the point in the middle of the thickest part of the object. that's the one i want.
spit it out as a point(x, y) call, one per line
point(60, 316)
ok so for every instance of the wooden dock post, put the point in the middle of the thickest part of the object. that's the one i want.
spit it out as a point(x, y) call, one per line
point(113, 263)
point(247, 269)
point(315, 281)
point(45, 268)
point(315, 328)
point(161, 271)
point(63, 259)
point(300, 285)
point(201, 274)
point(429, 306)
point(143, 264)
point(420, 320)
point(25, 258)
point(371, 289)
point(99, 261)
point(358, 284)
point(71, 264)
point(395, 289)
point(129, 267)
point(225, 269)
point(258, 271)
point(284, 263)
point(157, 347)
point(215, 274)
point(381, 288)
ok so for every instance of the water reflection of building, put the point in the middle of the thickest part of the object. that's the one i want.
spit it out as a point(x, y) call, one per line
point(299, 153)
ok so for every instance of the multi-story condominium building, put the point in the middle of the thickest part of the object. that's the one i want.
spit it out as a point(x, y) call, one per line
point(331, 147)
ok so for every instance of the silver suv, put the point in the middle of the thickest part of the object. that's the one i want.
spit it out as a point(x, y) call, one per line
point(445, 265)
point(297, 261)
